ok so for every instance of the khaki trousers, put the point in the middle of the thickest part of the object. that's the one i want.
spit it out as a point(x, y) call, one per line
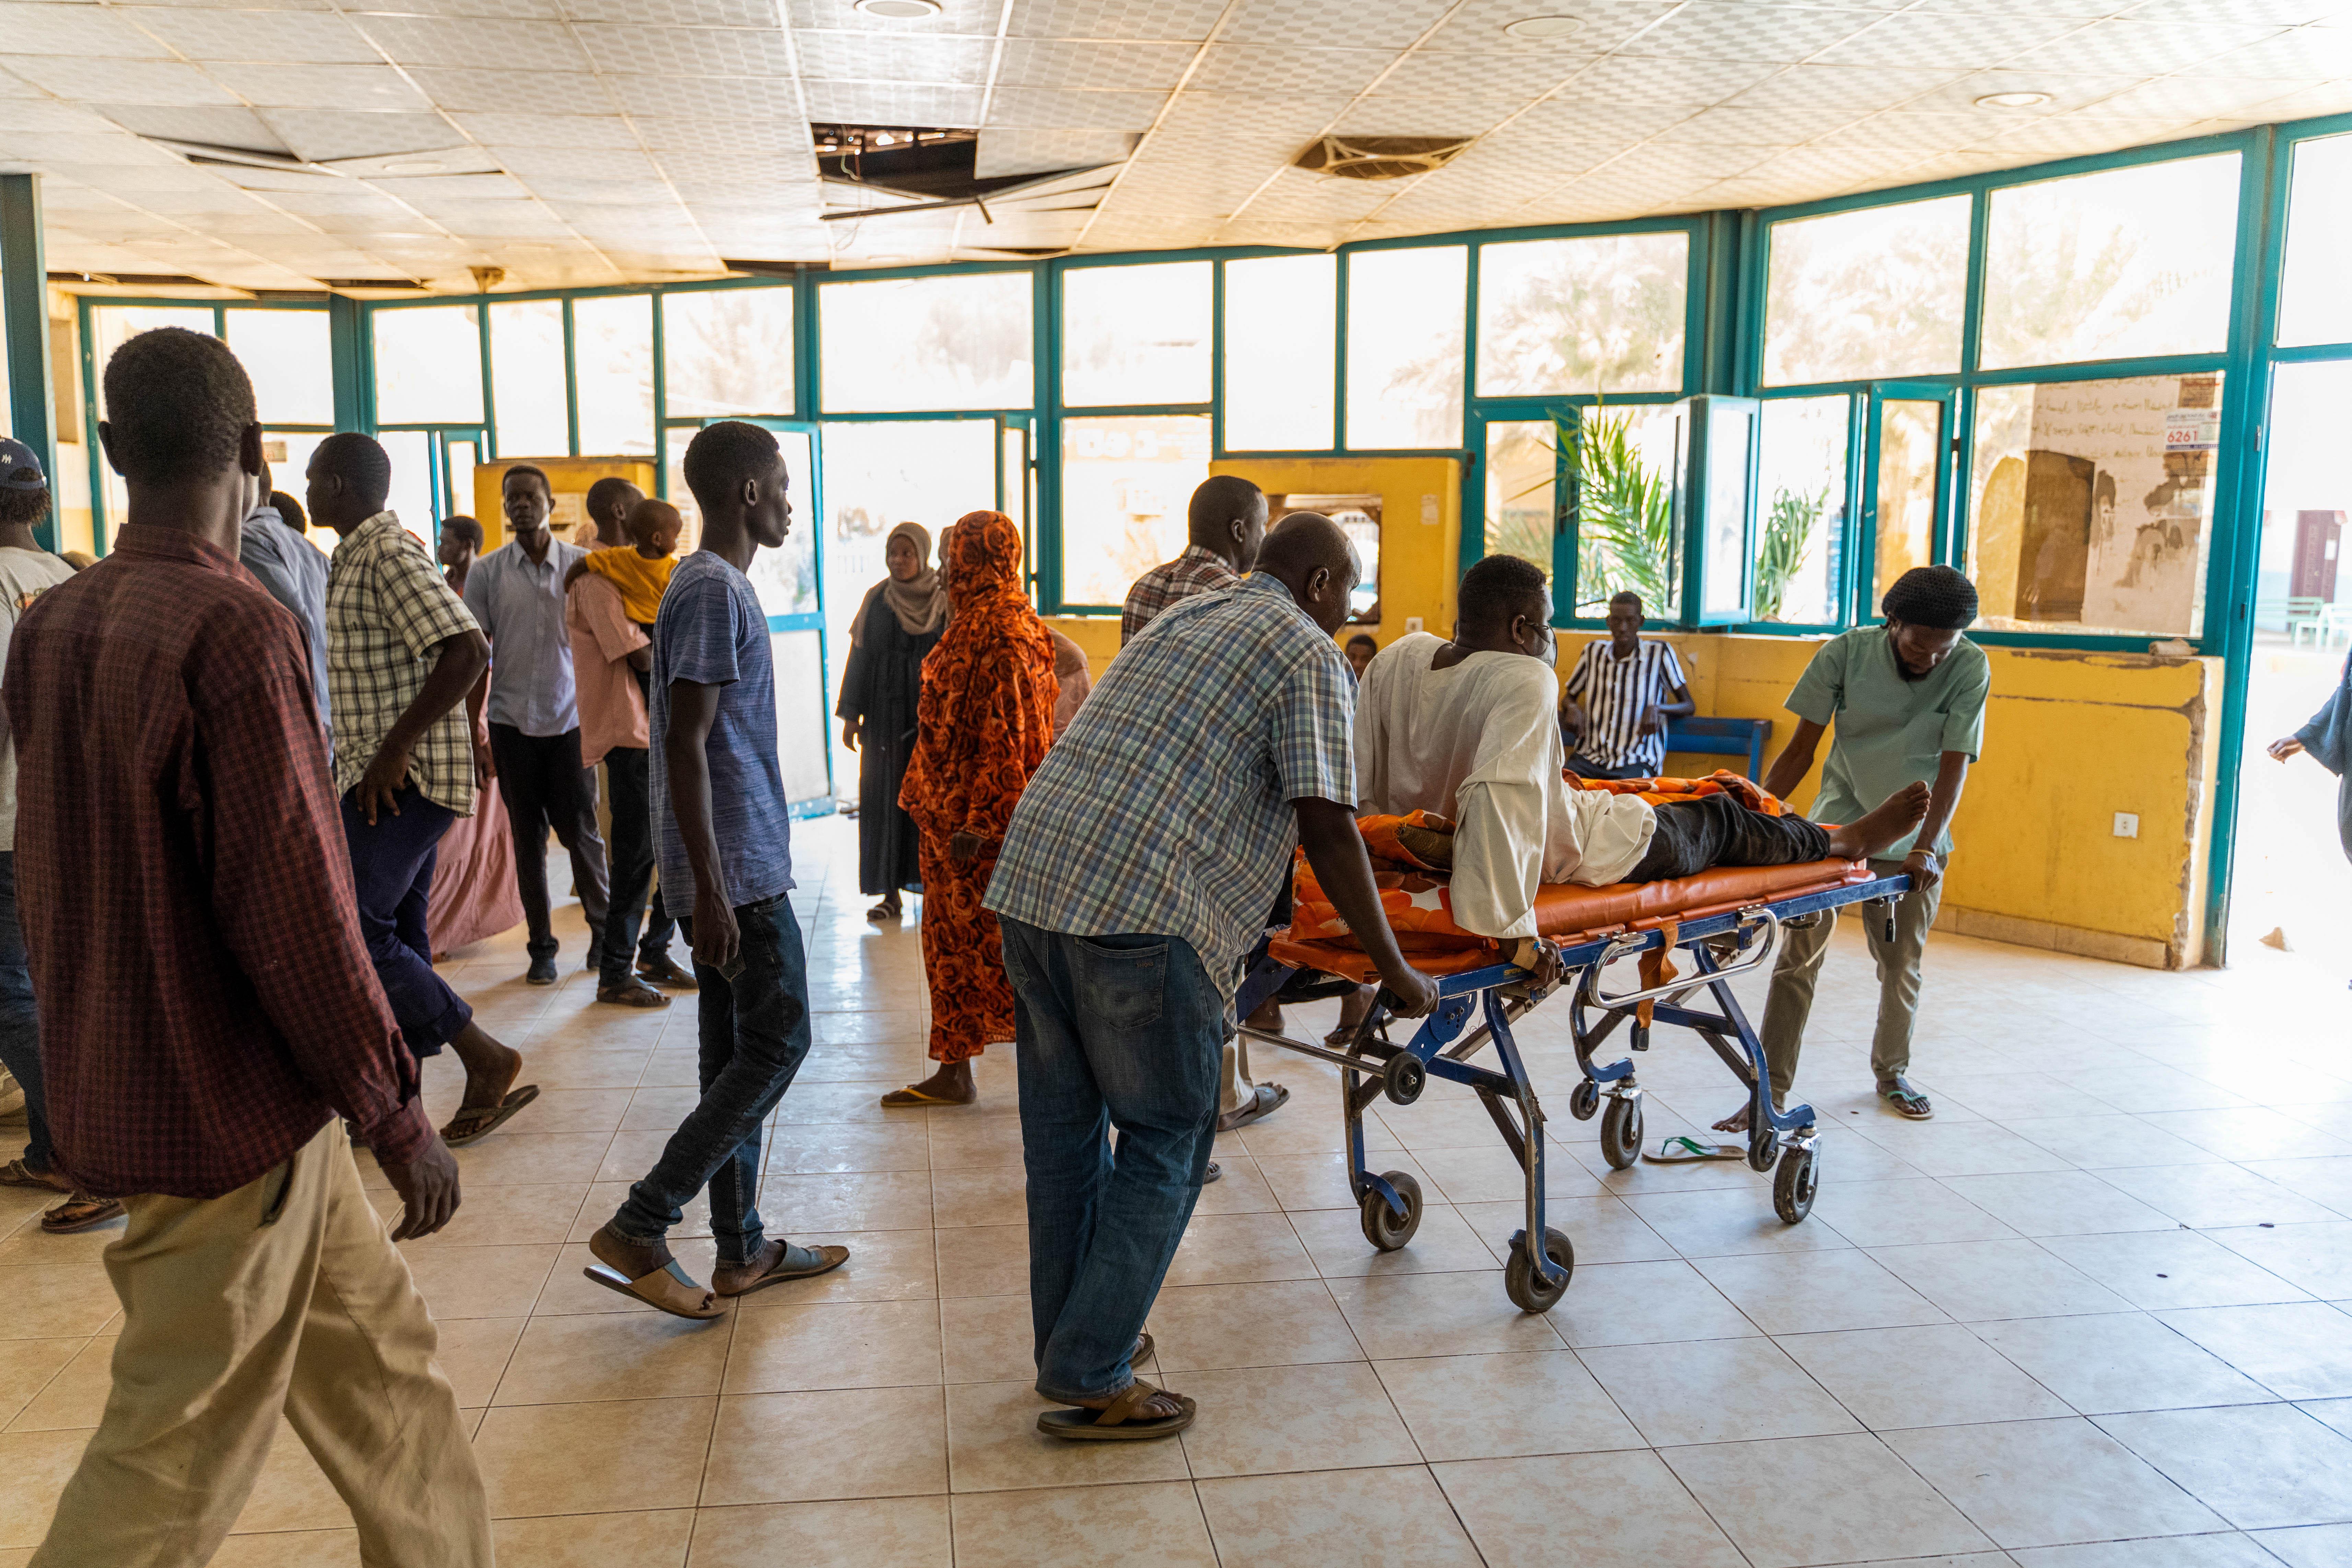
point(284, 1295)
point(1790, 1001)
point(1235, 1088)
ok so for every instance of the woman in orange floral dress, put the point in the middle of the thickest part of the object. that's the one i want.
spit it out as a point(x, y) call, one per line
point(981, 729)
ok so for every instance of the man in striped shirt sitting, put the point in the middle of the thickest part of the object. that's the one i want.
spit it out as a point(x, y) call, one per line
point(1614, 708)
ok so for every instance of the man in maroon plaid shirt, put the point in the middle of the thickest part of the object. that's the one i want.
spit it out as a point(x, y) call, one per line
point(208, 1015)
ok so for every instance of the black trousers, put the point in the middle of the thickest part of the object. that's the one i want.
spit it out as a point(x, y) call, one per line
point(1585, 767)
point(545, 786)
point(1717, 830)
point(630, 770)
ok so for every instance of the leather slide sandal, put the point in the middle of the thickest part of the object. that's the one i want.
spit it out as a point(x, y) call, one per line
point(667, 1289)
point(474, 1123)
point(792, 1263)
point(1114, 1423)
point(79, 1213)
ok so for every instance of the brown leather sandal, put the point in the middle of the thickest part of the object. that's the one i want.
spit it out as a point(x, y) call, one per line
point(1114, 1423)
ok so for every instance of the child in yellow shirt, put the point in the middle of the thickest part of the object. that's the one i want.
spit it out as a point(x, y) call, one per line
point(641, 569)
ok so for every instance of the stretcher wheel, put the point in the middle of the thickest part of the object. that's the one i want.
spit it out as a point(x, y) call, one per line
point(1621, 1133)
point(1793, 1186)
point(1383, 1227)
point(1405, 1078)
point(1584, 1100)
point(1529, 1291)
point(1763, 1148)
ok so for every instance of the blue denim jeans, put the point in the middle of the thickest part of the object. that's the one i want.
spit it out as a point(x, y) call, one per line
point(754, 1035)
point(392, 875)
point(1112, 1031)
point(20, 1025)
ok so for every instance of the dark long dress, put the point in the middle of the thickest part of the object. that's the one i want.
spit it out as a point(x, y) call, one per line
point(880, 688)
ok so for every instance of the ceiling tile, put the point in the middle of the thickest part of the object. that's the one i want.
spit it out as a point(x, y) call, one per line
point(1483, 77)
point(2306, 53)
point(1322, 24)
point(1036, 109)
point(2136, 49)
point(975, 18)
point(687, 51)
point(458, 42)
point(92, 30)
point(887, 103)
point(323, 136)
point(1008, 151)
point(1757, 127)
point(1236, 68)
point(1478, 27)
point(42, 114)
point(1460, 115)
point(532, 164)
point(1712, 30)
point(1917, 132)
point(217, 125)
point(1918, 41)
point(424, 188)
point(710, 96)
point(376, 87)
point(2285, 13)
point(676, 13)
point(2176, 101)
point(580, 131)
point(119, 81)
point(1960, 95)
point(45, 149)
point(1129, 67)
point(495, 10)
point(277, 36)
point(867, 56)
point(1626, 80)
point(516, 92)
point(2070, 134)
point(787, 136)
point(1855, 87)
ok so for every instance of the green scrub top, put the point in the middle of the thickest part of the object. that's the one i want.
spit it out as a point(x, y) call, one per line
point(1889, 730)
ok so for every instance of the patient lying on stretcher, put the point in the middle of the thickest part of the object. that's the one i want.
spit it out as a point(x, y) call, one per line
point(1464, 730)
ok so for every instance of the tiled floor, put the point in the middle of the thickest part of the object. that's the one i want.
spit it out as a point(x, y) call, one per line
point(2093, 1316)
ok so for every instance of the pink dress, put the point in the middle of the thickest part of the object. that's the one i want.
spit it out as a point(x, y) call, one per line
point(474, 890)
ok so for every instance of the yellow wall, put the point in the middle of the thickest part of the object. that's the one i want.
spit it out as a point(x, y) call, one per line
point(568, 478)
point(2070, 739)
point(1421, 525)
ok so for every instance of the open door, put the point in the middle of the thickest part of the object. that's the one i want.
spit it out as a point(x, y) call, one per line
point(1906, 489)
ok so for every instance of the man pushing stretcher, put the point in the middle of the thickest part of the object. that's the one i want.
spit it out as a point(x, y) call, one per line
point(1464, 730)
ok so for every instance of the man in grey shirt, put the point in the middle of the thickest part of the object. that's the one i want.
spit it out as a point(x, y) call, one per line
point(294, 570)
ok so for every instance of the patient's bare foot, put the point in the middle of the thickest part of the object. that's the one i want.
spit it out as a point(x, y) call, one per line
point(1734, 1123)
point(1897, 815)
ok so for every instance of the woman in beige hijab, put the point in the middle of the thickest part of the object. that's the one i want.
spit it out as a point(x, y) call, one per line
point(899, 622)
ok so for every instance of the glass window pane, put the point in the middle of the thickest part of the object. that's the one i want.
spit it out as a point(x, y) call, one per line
point(1625, 538)
point(1135, 334)
point(527, 390)
point(2315, 292)
point(785, 578)
point(1800, 521)
point(428, 366)
point(111, 326)
point(1582, 315)
point(1125, 485)
point(1910, 446)
point(727, 350)
point(1282, 343)
point(1522, 487)
point(612, 351)
point(292, 360)
point(1723, 569)
point(411, 497)
point(903, 344)
point(2095, 504)
point(1404, 346)
point(2127, 261)
point(1872, 292)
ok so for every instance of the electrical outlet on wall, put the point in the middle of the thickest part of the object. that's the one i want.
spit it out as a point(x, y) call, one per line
point(2127, 824)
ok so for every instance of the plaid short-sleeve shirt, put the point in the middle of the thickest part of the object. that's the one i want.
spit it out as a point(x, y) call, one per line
point(388, 611)
point(1164, 808)
point(1197, 571)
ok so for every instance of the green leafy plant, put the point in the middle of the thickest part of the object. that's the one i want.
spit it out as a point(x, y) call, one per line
point(1625, 514)
point(1788, 529)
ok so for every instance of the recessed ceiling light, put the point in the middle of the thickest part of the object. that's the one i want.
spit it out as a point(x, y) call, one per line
point(2012, 100)
point(412, 168)
point(900, 10)
point(1540, 29)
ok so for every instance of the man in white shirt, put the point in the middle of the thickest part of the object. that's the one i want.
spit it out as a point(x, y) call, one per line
point(1464, 728)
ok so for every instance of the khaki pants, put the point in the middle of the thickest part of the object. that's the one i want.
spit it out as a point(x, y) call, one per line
point(283, 1294)
point(1800, 966)
point(1234, 1087)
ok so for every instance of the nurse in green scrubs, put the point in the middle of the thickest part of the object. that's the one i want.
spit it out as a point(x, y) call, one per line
point(1907, 701)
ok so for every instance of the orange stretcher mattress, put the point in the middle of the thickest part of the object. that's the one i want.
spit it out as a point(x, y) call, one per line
point(1565, 909)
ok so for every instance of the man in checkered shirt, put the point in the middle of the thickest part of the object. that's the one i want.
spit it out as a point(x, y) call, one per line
point(402, 654)
point(1136, 875)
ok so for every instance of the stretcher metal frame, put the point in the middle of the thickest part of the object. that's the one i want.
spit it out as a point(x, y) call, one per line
point(1721, 948)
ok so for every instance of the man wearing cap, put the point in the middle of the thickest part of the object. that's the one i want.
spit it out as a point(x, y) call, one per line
point(1907, 698)
point(26, 571)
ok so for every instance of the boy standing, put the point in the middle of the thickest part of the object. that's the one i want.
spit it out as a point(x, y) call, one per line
point(719, 812)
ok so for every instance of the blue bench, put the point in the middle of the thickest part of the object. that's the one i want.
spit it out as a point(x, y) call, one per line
point(1722, 736)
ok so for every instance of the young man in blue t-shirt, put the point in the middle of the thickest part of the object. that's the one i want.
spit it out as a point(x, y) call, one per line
point(720, 817)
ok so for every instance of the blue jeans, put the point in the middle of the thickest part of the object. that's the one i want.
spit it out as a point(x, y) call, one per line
point(1112, 1031)
point(20, 1025)
point(391, 873)
point(754, 1035)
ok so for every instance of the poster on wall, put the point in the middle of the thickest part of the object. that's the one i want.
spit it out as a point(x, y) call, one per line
point(2096, 503)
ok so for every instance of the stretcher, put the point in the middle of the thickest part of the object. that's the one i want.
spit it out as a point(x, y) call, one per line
point(1726, 922)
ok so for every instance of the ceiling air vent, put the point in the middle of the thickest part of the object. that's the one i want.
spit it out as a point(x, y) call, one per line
point(1380, 157)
